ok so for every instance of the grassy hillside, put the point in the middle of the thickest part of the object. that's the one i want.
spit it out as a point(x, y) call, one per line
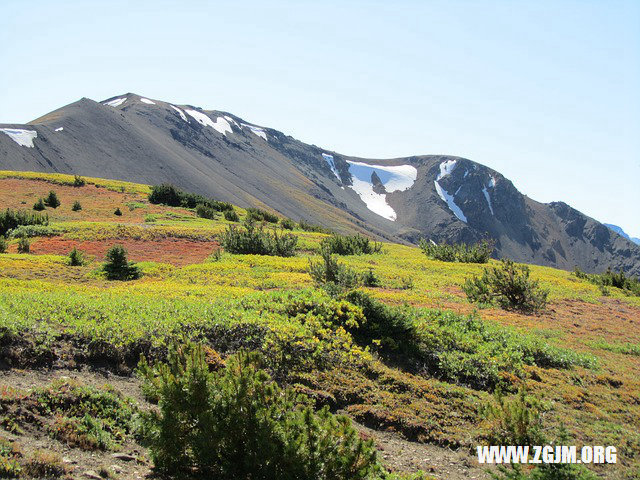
point(425, 380)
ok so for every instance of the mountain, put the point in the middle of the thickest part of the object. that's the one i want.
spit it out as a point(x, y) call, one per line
point(444, 198)
point(621, 232)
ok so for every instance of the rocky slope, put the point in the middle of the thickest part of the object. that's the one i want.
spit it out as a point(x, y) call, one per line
point(445, 198)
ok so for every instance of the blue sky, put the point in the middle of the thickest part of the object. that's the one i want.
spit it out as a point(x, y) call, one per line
point(546, 92)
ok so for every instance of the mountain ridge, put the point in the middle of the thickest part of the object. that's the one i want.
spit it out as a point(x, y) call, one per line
point(441, 197)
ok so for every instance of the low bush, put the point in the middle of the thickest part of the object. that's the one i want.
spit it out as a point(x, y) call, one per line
point(259, 215)
point(205, 211)
point(24, 245)
point(166, 194)
point(45, 464)
point(118, 212)
point(310, 227)
point(629, 285)
point(235, 422)
point(52, 200)
point(252, 239)
point(76, 258)
point(328, 272)
point(3, 244)
point(231, 216)
point(10, 219)
point(76, 207)
point(478, 253)
point(118, 267)
point(370, 279)
point(39, 205)
point(350, 245)
point(508, 286)
point(78, 181)
point(287, 224)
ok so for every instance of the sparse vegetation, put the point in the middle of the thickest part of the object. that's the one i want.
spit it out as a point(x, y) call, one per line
point(328, 272)
point(174, 197)
point(350, 245)
point(508, 286)
point(252, 239)
point(478, 253)
point(118, 266)
point(310, 227)
point(204, 211)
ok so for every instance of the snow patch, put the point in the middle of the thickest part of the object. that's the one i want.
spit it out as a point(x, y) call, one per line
point(231, 120)
point(184, 117)
point(221, 125)
point(59, 129)
point(22, 137)
point(447, 168)
point(146, 100)
point(257, 130)
point(492, 182)
point(394, 178)
point(332, 165)
point(487, 198)
point(117, 102)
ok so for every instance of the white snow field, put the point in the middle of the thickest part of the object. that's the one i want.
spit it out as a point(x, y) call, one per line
point(256, 130)
point(184, 117)
point(147, 101)
point(446, 168)
point(221, 125)
point(117, 102)
point(22, 137)
point(394, 178)
point(332, 165)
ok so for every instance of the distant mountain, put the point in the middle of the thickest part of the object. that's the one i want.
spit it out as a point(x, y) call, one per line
point(444, 198)
point(620, 231)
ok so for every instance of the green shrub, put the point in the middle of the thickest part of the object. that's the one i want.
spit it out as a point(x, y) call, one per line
point(350, 245)
point(3, 244)
point(629, 285)
point(118, 212)
point(39, 205)
point(76, 206)
point(509, 286)
point(231, 216)
point(52, 200)
point(78, 181)
point(309, 227)
point(515, 420)
point(44, 464)
point(370, 279)
point(24, 245)
point(328, 272)
point(237, 423)
point(252, 239)
point(259, 215)
point(205, 211)
point(166, 194)
point(10, 219)
point(478, 253)
point(118, 267)
point(76, 258)
point(287, 224)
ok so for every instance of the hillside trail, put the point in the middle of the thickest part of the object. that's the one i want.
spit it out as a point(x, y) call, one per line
point(395, 452)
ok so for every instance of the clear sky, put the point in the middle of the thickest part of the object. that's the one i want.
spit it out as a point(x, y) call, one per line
point(546, 92)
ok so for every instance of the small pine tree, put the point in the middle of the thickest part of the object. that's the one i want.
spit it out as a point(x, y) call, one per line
point(24, 245)
point(231, 216)
point(3, 244)
point(118, 267)
point(76, 206)
point(370, 279)
point(39, 205)
point(78, 181)
point(118, 212)
point(328, 272)
point(76, 258)
point(52, 200)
